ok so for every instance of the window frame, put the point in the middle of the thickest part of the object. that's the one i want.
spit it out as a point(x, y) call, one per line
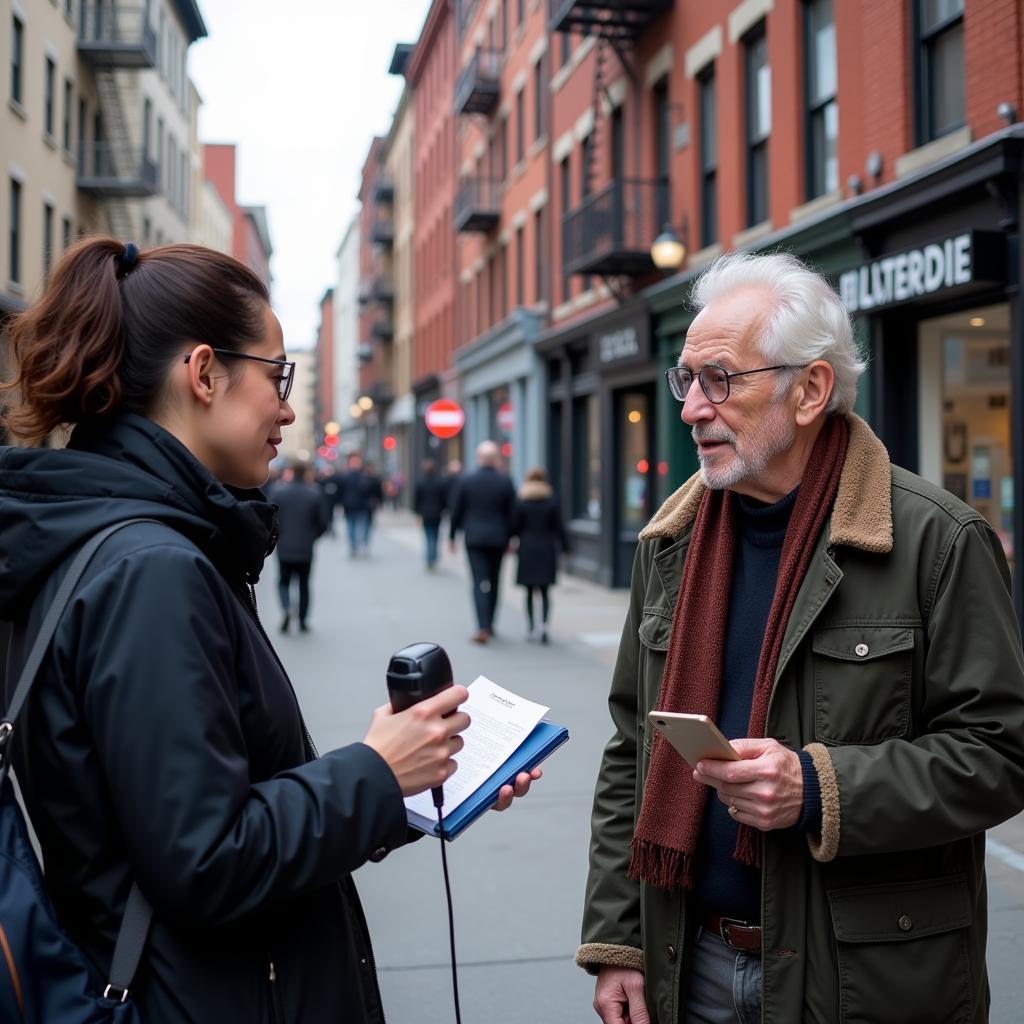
point(69, 102)
point(14, 211)
point(923, 41)
point(49, 213)
point(707, 83)
point(755, 145)
point(17, 82)
point(814, 108)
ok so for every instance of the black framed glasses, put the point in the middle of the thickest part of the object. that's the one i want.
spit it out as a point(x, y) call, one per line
point(714, 379)
point(284, 380)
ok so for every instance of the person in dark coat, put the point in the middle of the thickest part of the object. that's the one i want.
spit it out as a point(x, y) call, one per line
point(163, 744)
point(301, 520)
point(356, 493)
point(375, 493)
point(429, 501)
point(537, 522)
point(484, 501)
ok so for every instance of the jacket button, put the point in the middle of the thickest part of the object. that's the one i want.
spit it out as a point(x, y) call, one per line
point(671, 950)
point(861, 650)
point(379, 854)
point(905, 923)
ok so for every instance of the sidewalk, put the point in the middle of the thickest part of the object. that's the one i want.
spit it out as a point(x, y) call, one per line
point(518, 877)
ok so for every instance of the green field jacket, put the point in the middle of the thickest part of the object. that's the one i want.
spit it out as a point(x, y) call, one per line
point(901, 672)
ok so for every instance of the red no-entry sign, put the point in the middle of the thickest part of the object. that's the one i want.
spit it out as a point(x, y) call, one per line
point(444, 418)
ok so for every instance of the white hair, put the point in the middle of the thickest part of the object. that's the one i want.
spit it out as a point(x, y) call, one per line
point(806, 321)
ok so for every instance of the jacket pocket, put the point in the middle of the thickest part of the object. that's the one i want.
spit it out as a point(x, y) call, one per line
point(654, 632)
point(862, 678)
point(902, 951)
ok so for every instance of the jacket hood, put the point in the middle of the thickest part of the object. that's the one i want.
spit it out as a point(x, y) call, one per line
point(125, 466)
point(535, 490)
point(861, 516)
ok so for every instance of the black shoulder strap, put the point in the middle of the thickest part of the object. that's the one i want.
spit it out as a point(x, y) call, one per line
point(138, 914)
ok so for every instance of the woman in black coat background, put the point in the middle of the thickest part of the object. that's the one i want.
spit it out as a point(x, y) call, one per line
point(537, 521)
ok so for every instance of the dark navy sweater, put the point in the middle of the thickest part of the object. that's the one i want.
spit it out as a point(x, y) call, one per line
point(723, 884)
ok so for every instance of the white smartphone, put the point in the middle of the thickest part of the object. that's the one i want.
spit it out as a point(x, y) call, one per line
point(695, 737)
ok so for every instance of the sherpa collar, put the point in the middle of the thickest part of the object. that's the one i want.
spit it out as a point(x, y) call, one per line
point(861, 516)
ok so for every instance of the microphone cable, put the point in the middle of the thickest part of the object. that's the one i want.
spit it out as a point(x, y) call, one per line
point(451, 915)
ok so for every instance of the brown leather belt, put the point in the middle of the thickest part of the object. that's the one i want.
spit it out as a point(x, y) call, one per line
point(734, 933)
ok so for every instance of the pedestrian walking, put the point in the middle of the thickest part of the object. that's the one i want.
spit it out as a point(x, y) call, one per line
point(302, 518)
point(452, 478)
point(851, 624)
point(429, 501)
point(484, 501)
point(355, 490)
point(375, 490)
point(162, 751)
point(327, 481)
point(537, 522)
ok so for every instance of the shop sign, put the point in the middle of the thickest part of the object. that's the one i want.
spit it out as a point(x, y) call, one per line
point(622, 343)
point(901, 277)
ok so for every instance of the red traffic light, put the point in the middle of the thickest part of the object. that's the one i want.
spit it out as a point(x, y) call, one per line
point(331, 440)
point(390, 443)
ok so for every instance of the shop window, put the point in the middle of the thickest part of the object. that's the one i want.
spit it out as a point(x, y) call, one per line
point(820, 78)
point(708, 157)
point(759, 122)
point(634, 461)
point(940, 67)
point(586, 458)
point(17, 58)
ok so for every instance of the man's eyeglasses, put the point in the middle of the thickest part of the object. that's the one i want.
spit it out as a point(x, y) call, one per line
point(284, 380)
point(714, 380)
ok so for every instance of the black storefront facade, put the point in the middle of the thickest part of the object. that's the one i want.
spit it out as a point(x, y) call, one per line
point(601, 391)
point(937, 292)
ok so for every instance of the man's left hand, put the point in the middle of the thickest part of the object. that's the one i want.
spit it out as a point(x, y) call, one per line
point(522, 786)
point(765, 789)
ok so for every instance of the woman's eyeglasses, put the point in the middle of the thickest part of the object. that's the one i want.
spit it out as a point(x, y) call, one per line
point(284, 380)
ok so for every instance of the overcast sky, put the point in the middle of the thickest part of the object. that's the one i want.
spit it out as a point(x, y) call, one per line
point(301, 87)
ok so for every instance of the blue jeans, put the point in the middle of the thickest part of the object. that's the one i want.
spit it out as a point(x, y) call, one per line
point(358, 523)
point(430, 532)
point(723, 985)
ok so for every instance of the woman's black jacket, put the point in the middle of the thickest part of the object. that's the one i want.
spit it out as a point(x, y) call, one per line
point(163, 743)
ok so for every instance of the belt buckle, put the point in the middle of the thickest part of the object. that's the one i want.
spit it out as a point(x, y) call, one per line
point(724, 923)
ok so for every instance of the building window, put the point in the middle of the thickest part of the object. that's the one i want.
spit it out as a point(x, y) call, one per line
point(940, 67)
point(759, 122)
point(47, 238)
point(586, 170)
point(520, 13)
point(49, 97)
point(708, 157)
point(66, 233)
point(520, 266)
point(68, 103)
point(81, 131)
point(17, 58)
point(662, 149)
point(565, 181)
point(503, 150)
point(822, 126)
point(566, 48)
point(147, 128)
point(14, 236)
point(538, 99)
point(520, 127)
point(539, 261)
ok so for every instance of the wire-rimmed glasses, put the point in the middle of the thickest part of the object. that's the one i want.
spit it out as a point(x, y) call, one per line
point(284, 380)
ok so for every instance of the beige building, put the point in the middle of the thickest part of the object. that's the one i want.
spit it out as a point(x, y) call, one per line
point(212, 223)
point(98, 132)
point(298, 438)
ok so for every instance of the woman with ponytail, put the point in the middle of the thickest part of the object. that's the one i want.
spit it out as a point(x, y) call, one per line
point(163, 745)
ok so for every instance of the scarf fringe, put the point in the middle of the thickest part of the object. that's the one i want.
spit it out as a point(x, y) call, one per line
point(660, 866)
point(748, 847)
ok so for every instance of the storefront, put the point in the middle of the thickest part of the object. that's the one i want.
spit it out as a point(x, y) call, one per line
point(601, 395)
point(501, 380)
point(939, 293)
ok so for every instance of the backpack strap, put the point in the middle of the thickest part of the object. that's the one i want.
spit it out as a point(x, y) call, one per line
point(138, 914)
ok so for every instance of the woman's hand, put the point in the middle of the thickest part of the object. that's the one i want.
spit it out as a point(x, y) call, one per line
point(522, 786)
point(420, 742)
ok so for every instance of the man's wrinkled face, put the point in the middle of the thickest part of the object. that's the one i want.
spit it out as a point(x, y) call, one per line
point(738, 439)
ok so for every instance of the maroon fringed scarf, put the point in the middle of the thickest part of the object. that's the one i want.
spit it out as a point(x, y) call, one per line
point(673, 804)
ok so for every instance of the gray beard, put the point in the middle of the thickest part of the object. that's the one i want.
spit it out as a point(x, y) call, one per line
point(775, 434)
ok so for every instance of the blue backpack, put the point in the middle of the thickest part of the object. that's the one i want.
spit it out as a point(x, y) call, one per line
point(44, 977)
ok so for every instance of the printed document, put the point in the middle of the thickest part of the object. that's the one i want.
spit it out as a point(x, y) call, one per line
point(499, 722)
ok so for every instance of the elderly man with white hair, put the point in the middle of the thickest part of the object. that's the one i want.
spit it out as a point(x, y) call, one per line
point(849, 627)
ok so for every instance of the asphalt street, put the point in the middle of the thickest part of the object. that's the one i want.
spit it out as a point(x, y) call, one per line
point(517, 877)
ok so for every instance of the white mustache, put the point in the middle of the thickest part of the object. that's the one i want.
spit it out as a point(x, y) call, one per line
point(713, 434)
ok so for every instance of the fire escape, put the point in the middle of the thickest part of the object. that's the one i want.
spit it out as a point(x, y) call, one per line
point(378, 293)
point(113, 168)
point(610, 232)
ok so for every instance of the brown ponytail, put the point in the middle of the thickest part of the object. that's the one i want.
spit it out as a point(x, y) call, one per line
point(101, 339)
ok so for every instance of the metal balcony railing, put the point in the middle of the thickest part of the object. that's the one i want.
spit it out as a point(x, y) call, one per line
point(108, 170)
point(382, 329)
point(613, 19)
point(383, 189)
point(611, 231)
point(364, 353)
point(477, 205)
point(116, 36)
point(383, 231)
point(382, 290)
point(478, 87)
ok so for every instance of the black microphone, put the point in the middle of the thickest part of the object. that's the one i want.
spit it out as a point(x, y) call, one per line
point(415, 673)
